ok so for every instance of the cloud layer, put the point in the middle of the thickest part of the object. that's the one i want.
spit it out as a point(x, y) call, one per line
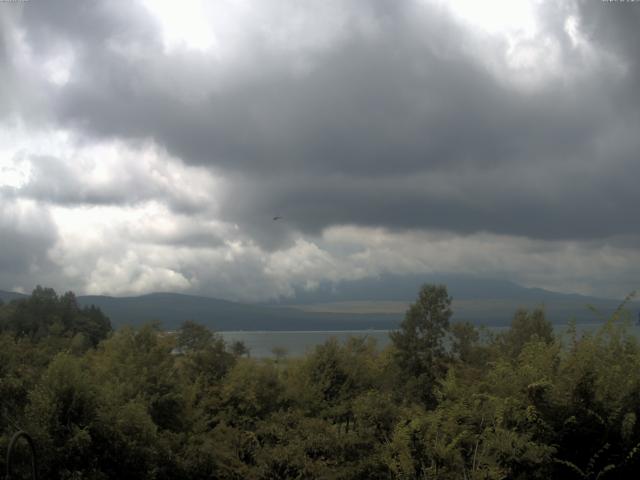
point(148, 148)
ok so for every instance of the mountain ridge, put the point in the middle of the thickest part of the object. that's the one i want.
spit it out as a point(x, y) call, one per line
point(373, 303)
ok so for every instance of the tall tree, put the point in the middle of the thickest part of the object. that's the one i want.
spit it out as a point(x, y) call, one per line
point(525, 327)
point(193, 337)
point(419, 343)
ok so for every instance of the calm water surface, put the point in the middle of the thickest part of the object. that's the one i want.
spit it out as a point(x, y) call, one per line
point(261, 344)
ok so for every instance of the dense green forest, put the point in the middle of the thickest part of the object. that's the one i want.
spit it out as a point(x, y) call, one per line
point(446, 401)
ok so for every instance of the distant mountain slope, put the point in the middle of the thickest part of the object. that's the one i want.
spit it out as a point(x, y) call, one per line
point(8, 296)
point(494, 305)
point(405, 288)
point(478, 300)
point(172, 309)
point(378, 303)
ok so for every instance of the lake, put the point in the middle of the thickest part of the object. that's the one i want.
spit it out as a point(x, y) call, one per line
point(261, 344)
point(299, 343)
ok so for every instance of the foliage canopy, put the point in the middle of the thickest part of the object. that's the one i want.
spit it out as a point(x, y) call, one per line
point(442, 401)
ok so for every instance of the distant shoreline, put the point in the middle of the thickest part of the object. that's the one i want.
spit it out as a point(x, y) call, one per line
point(383, 330)
point(296, 343)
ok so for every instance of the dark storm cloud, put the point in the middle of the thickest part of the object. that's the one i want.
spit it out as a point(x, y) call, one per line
point(614, 27)
point(26, 235)
point(389, 104)
point(89, 25)
point(4, 47)
point(403, 127)
point(8, 87)
point(510, 203)
point(22, 249)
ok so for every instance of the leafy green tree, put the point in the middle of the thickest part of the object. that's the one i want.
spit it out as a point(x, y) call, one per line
point(279, 353)
point(205, 352)
point(239, 349)
point(22, 363)
point(465, 339)
point(526, 326)
point(598, 402)
point(419, 343)
point(326, 376)
point(376, 414)
point(296, 446)
point(250, 393)
point(62, 412)
point(44, 314)
point(193, 337)
point(332, 376)
point(218, 452)
point(127, 440)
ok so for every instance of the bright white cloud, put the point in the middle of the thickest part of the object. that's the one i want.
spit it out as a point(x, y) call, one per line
point(496, 16)
point(184, 23)
point(54, 166)
point(58, 68)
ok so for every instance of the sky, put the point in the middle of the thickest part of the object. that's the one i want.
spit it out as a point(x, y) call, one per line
point(147, 145)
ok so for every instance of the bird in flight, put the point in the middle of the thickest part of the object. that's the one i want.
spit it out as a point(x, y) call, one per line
point(277, 217)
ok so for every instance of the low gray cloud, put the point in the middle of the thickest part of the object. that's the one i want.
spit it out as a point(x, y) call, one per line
point(615, 28)
point(27, 234)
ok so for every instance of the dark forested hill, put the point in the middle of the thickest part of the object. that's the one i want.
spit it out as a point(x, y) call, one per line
point(8, 296)
point(172, 309)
